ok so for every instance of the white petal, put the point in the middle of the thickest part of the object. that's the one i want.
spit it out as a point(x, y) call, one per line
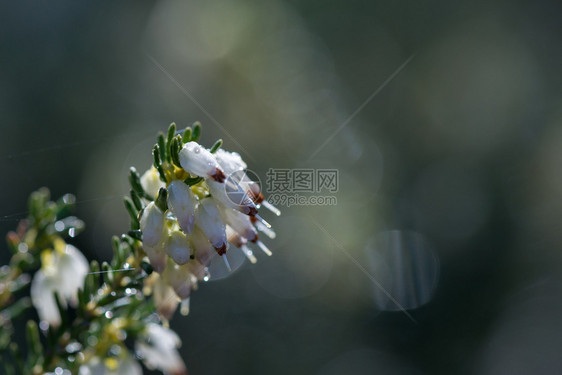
point(180, 279)
point(230, 161)
point(42, 288)
point(159, 351)
point(178, 248)
point(65, 276)
point(232, 195)
point(210, 222)
point(73, 268)
point(240, 223)
point(203, 249)
point(157, 256)
point(182, 203)
point(199, 161)
point(152, 225)
point(165, 298)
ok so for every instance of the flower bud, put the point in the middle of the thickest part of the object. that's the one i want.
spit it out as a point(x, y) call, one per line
point(150, 182)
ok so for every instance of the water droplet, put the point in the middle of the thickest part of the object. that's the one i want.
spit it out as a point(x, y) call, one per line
point(59, 226)
point(108, 314)
point(22, 247)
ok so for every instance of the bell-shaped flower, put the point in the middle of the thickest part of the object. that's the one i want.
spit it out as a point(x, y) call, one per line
point(152, 225)
point(233, 195)
point(183, 203)
point(154, 233)
point(230, 162)
point(202, 247)
point(178, 247)
point(165, 299)
point(240, 242)
point(209, 220)
point(200, 162)
point(158, 349)
point(180, 279)
point(62, 271)
point(240, 223)
point(151, 182)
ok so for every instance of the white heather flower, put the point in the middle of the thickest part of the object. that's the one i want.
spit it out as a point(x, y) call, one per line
point(157, 256)
point(183, 203)
point(230, 161)
point(240, 242)
point(180, 279)
point(62, 272)
point(159, 350)
point(165, 298)
point(126, 365)
point(177, 247)
point(240, 223)
point(210, 222)
point(199, 161)
point(233, 195)
point(151, 182)
point(152, 225)
point(154, 233)
point(197, 269)
point(203, 249)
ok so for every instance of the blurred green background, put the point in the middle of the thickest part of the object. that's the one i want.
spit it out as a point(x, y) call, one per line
point(443, 119)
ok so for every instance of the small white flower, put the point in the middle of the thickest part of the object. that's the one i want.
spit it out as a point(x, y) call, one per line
point(240, 223)
point(157, 256)
point(154, 235)
point(240, 242)
point(180, 279)
point(165, 298)
point(183, 203)
point(199, 161)
point(152, 225)
point(233, 195)
point(177, 247)
point(230, 161)
point(126, 365)
point(159, 350)
point(151, 182)
point(209, 220)
point(62, 272)
point(203, 249)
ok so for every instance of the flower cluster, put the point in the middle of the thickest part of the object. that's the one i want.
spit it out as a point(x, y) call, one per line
point(188, 208)
point(86, 313)
point(186, 211)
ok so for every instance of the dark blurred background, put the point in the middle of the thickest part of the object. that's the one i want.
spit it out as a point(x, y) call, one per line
point(443, 118)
